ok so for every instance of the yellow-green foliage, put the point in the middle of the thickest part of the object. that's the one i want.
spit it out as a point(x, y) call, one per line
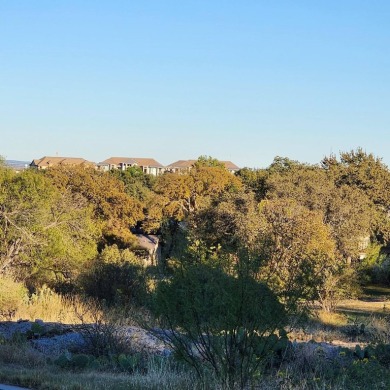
point(333, 319)
point(11, 296)
point(49, 306)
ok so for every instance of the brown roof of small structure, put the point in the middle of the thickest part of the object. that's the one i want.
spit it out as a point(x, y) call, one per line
point(52, 161)
point(144, 162)
point(230, 165)
point(118, 160)
point(189, 163)
point(147, 241)
point(182, 164)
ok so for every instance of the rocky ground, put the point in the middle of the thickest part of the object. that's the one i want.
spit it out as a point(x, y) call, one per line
point(53, 339)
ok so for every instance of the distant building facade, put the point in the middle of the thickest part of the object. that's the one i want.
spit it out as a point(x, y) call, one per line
point(183, 166)
point(48, 162)
point(148, 165)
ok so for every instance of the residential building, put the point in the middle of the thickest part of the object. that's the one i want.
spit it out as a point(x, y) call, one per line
point(181, 166)
point(231, 167)
point(186, 165)
point(148, 165)
point(48, 162)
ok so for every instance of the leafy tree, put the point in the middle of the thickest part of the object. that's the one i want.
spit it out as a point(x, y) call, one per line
point(219, 322)
point(175, 195)
point(44, 234)
point(180, 195)
point(116, 210)
point(255, 180)
point(230, 223)
point(207, 183)
point(367, 173)
point(347, 210)
point(338, 282)
point(284, 164)
point(137, 183)
point(357, 168)
point(186, 193)
point(307, 185)
point(296, 248)
point(208, 161)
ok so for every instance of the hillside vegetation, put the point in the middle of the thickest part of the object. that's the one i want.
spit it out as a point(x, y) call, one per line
point(247, 264)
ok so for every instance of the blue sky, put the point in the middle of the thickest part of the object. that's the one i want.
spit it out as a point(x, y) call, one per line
point(238, 80)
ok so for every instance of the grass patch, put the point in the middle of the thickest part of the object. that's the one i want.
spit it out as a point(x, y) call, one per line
point(332, 319)
point(354, 306)
point(159, 374)
point(49, 306)
point(376, 290)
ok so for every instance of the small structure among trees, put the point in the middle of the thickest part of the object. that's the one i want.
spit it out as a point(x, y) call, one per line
point(147, 248)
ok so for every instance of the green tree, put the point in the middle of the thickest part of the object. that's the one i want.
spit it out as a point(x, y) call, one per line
point(346, 210)
point(45, 235)
point(369, 175)
point(113, 208)
point(255, 180)
point(230, 223)
point(186, 193)
point(137, 183)
point(208, 161)
point(180, 195)
point(296, 248)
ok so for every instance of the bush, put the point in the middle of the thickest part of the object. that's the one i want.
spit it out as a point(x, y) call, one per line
point(219, 322)
point(76, 362)
point(116, 283)
point(11, 296)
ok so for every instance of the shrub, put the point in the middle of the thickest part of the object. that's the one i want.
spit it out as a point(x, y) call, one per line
point(219, 322)
point(117, 276)
point(117, 284)
point(76, 362)
point(11, 296)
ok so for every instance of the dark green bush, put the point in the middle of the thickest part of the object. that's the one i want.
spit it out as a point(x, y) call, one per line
point(75, 362)
point(123, 283)
point(219, 322)
point(129, 363)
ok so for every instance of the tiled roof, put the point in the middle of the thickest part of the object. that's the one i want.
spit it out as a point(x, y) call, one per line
point(182, 164)
point(52, 161)
point(230, 165)
point(119, 160)
point(148, 162)
point(144, 162)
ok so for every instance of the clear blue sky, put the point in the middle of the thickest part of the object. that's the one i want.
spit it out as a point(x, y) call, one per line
point(238, 80)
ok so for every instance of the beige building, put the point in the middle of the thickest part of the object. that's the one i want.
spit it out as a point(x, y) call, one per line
point(47, 162)
point(148, 165)
point(186, 165)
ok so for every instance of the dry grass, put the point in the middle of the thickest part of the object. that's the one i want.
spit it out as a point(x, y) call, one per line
point(23, 366)
point(332, 319)
point(22, 355)
point(354, 305)
point(52, 307)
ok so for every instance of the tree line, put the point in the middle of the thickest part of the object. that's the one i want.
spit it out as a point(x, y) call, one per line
point(292, 218)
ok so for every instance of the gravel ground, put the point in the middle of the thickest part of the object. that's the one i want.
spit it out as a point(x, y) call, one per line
point(53, 339)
